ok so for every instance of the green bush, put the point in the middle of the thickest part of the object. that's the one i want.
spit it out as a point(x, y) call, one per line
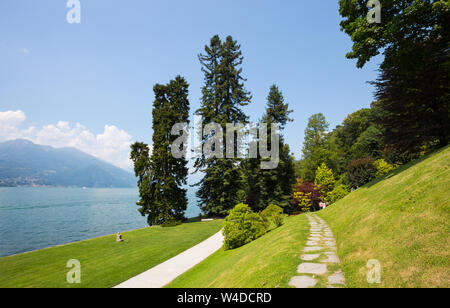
point(383, 167)
point(242, 226)
point(171, 222)
point(361, 171)
point(273, 213)
point(339, 192)
point(278, 219)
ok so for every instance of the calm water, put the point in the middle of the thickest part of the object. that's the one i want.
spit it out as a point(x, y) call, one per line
point(35, 218)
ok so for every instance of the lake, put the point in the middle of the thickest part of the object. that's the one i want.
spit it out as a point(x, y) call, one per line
point(35, 218)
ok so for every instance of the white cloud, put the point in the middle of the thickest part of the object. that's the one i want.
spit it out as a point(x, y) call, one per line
point(12, 117)
point(9, 123)
point(112, 145)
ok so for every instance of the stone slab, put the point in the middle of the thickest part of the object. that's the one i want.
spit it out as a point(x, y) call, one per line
point(337, 278)
point(312, 268)
point(302, 282)
point(310, 257)
point(332, 259)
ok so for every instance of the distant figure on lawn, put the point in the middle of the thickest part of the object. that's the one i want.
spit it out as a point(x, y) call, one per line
point(323, 205)
point(119, 237)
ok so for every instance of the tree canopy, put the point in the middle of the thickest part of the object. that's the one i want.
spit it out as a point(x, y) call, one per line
point(403, 23)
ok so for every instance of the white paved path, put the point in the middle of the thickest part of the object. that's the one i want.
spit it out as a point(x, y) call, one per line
point(167, 271)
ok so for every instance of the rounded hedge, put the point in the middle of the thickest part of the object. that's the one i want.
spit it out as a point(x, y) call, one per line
point(273, 213)
point(242, 226)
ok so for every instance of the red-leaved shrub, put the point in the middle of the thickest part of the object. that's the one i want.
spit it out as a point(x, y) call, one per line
point(309, 190)
point(361, 171)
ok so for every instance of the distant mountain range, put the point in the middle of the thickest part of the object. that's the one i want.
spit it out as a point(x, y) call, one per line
point(23, 163)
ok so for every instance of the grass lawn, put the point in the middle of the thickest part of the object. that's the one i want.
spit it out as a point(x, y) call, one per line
point(104, 263)
point(267, 262)
point(402, 220)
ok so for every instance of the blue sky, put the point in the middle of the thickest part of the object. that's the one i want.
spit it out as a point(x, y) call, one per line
point(100, 73)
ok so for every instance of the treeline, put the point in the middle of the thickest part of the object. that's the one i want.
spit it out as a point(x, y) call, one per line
point(409, 118)
point(334, 162)
point(226, 181)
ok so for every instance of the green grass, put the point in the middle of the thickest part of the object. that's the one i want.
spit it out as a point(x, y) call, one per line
point(267, 262)
point(401, 220)
point(104, 263)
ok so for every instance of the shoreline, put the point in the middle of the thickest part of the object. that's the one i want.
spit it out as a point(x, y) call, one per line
point(24, 233)
point(71, 243)
point(90, 239)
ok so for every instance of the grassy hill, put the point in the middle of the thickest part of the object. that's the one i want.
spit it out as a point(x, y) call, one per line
point(267, 262)
point(104, 263)
point(401, 219)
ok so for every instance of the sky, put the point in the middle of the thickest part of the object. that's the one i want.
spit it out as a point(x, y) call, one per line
point(89, 85)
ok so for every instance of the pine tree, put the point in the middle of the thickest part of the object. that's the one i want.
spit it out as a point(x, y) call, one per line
point(161, 176)
point(277, 111)
point(272, 186)
point(223, 96)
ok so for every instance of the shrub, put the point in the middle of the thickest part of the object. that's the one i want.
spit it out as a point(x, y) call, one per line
point(383, 167)
point(339, 192)
point(278, 219)
point(302, 201)
point(361, 171)
point(242, 226)
point(273, 213)
point(307, 196)
point(325, 177)
point(171, 222)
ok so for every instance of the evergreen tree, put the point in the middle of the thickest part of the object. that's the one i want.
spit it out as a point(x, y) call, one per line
point(314, 147)
point(223, 96)
point(325, 178)
point(413, 86)
point(277, 111)
point(272, 186)
point(161, 176)
point(413, 95)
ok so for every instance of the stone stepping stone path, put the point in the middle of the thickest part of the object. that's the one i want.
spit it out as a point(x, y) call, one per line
point(303, 281)
point(320, 263)
point(312, 268)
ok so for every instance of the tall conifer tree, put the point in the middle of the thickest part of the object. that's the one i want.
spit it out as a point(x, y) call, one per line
point(161, 176)
point(272, 186)
point(223, 96)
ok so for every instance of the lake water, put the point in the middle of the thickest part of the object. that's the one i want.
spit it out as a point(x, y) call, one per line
point(35, 218)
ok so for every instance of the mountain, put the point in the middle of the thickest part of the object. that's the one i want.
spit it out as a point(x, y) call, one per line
point(23, 163)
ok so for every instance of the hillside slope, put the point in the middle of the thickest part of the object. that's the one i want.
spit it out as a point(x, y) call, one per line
point(268, 262)
point(403, 221)
point(25, 163)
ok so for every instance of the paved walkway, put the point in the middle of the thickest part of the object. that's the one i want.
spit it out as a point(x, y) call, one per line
point(321, 248)
point(164, 273)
